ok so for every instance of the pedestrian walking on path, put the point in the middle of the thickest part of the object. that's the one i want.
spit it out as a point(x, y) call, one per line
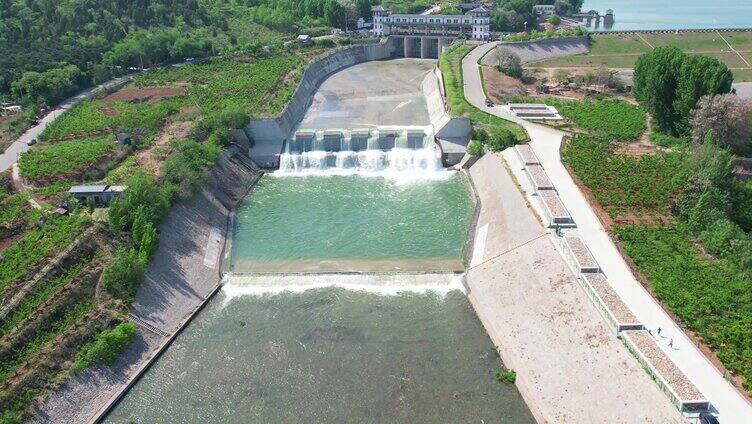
point(671, 343)
point(659, 331)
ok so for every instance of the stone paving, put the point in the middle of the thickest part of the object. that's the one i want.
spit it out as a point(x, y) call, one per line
point(547, 330)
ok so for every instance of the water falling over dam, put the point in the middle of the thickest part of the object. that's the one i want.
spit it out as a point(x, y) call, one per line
point(384, 152)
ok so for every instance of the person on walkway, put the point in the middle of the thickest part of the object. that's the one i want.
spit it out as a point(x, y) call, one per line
point(671, 343)
point(659, 331)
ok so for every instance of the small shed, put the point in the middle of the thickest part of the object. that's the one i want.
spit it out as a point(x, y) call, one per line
point(97, 195)
point(305, 40)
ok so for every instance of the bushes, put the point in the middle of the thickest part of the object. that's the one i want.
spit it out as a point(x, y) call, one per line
point(124, 274)
point(142, 194)
point(509, 63)
point(500, 139)
point(187, 166)
point(475, 148)
point(106, 347)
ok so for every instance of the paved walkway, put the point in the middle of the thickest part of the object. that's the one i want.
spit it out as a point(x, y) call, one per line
point(547, 330)
point(731, 405)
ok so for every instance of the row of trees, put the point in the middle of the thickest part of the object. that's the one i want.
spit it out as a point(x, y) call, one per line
point(668, 83)
point(53, 48)
point(518, 15)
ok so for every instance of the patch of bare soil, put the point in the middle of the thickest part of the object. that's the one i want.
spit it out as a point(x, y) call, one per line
point(501, 88)
point(149, 159)
point(146, 93)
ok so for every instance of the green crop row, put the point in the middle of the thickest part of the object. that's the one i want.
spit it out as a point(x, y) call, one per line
point(12, 209)
point(65, 159)
point(227, 84)
point(47, 335)
point(712, 296)
point(51, 237)
point(611, 118)
point(95, 116)
point(623, 181)
point(32, 302)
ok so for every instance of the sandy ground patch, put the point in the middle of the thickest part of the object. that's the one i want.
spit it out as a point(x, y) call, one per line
point(148, 159)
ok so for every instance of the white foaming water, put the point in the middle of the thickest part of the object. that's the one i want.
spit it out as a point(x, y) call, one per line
point(382, 284)
point(398, 164)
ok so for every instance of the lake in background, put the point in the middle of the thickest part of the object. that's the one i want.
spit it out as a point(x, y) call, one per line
point(674, 14)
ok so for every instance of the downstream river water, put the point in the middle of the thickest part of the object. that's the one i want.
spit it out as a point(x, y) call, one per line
point(674, 14)
point(342, 304)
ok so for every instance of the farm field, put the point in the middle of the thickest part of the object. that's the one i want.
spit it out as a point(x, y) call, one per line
point(67, 313)
point(622, 50)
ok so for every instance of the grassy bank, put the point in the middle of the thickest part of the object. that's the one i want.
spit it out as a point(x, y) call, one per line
point(622, 50)
point(451, 69)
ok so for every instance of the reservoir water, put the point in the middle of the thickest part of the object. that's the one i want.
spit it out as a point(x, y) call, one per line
point(674, 14)
point(342, 303)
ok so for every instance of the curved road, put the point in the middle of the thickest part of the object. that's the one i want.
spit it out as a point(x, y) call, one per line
point(732, 406)
point(11, 154)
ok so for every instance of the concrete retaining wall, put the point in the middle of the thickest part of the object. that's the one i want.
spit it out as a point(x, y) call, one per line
point(269, 134)
point(531, 51)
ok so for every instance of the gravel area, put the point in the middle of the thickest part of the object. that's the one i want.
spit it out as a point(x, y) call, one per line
point(526, 154)
point(177, 281)
point(539, 177)
point(551, 201)
point(612, 301)
point(676, 379)
point(581, 254)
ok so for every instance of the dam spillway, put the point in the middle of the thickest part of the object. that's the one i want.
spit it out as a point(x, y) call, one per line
point(342, 300)
point(381, 152)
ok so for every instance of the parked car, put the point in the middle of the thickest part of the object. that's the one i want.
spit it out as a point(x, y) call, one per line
point(489, 103)
point(708, 418)
point(31, 142)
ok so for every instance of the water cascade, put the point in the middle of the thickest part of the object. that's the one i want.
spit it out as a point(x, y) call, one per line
point(385, 153)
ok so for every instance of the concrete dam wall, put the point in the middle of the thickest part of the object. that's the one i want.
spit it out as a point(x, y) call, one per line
point(269, 133)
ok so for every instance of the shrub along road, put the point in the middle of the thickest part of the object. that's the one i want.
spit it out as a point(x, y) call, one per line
point(546, 142)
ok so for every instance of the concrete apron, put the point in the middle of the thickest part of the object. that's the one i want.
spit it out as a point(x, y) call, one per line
point(566, 360)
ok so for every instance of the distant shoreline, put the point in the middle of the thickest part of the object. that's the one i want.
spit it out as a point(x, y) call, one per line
point(669, 31)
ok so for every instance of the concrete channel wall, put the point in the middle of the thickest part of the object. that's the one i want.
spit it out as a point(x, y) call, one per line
point(269, 134)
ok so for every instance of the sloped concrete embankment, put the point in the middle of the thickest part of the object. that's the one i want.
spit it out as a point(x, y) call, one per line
point(183, 275)
point(534, 51)
point(269, 133)
point(569, 366)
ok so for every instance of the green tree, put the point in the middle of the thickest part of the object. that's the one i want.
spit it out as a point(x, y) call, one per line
point(363, 8)
point(124, 274)
point(554, 20)
point(142, 193)
point(668, 83)
point(655, 84)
